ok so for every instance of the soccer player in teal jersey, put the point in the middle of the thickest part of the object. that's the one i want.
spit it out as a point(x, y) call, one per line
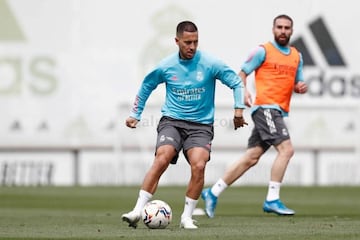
point(187, 116)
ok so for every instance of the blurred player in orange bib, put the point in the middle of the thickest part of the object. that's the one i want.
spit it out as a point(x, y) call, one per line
point(278, 73)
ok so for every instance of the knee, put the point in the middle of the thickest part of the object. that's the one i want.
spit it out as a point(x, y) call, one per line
point(285, 149)
point(198, 167)
point(291, 152)
point(162, 160)
point(252, 158)
point(252, 161)
point(165, 154)
point(288, 152)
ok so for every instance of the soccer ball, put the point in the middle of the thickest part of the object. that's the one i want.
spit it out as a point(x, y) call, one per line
point(156, 214)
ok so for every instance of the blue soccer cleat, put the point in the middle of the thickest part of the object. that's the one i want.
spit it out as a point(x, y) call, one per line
point(210, 202)
point(277, 207)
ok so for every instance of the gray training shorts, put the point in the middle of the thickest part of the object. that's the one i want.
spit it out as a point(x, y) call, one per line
point(269, 129)
point(183, 135)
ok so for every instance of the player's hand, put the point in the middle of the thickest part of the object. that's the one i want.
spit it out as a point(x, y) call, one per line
point(131, 122)
point(300, 87)
point(239, 122)
point(248, 98)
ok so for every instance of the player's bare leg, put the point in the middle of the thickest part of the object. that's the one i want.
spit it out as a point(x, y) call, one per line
point(162, 160)
point(198, 158)
point(233, 172)
point(273, 204)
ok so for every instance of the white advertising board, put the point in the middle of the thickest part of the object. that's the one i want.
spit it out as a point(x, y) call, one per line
point(36, 169)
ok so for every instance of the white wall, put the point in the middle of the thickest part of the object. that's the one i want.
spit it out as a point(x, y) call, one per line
point(67, 67)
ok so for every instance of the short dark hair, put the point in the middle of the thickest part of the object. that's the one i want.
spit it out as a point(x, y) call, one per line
point(185, 26)
point(283, 16)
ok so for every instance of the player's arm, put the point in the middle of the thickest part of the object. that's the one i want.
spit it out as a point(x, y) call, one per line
point(300, 85)
point(254, 60)
point(247, 95)
point(228, 77)
point(149, 84)
point(239, 106)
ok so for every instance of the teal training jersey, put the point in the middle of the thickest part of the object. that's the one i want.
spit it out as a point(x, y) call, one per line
point(190, 87)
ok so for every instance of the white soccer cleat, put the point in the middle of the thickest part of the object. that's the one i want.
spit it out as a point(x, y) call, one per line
point(132, 218)
point(188, 223)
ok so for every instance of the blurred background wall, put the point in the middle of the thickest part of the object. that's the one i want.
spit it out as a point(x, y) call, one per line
point(70, 69)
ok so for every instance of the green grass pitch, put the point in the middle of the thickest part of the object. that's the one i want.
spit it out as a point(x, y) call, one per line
point(322, 213)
